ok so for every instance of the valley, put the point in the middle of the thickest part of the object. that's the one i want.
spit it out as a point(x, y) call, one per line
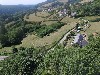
point(56, 37)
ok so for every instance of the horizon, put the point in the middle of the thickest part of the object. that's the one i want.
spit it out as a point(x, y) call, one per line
point(20, 2)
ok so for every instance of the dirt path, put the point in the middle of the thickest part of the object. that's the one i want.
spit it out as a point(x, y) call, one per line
point(64, 37)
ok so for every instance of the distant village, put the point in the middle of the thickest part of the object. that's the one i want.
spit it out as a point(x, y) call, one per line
point(78, 38)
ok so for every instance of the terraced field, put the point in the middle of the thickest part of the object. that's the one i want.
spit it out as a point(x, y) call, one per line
point(40, 16)
point(33, 18)
point(43, 14)
point(48, 22)
point(69, 20)
point(95, 27)
point(32, 40)
point(91, 17)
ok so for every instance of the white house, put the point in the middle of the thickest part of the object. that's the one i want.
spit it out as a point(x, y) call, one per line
point(79, 39)
point(73, 14)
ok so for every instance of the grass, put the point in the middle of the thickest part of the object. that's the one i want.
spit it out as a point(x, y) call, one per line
point(90, 18)
point(95, 27)
point(5, 51)
point(33, 18)
point(43, 14)
point(52, 17)
point(32, 40)
point(69, 20)
point(49, 22)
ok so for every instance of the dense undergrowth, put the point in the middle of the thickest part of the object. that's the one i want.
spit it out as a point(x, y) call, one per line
point(60, 61)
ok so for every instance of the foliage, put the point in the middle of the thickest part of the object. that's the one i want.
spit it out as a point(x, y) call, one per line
point(89, 9)
point(10, 13)
point(72, 61)
point(60, 61)
point(95, 20)
point(57, 61)
point(15, 33)
point(46, 30)
point(22, 63)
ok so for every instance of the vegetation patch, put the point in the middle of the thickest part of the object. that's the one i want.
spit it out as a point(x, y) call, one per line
point(92, 18)
point(48, 22)
point(46, 30)
point(33, 18)
point(46, 41)
point(30, 61)
point(89, 9)
point(95, 27)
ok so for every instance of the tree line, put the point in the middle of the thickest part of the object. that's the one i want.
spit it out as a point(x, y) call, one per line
point(89, 9)
point(13, 34)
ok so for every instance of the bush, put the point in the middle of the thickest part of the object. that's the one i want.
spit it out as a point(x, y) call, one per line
point(95, 20)
point(89, 9)
point(45, 30)
point(72, 61)
point(60, 61)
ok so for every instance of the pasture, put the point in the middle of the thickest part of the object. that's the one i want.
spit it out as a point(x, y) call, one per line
point(40, 16)
point(48, 22)
point(95, 27)
point(69, 20)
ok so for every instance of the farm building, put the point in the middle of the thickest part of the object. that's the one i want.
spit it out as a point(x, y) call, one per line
point(79, 39)
point(73, 14)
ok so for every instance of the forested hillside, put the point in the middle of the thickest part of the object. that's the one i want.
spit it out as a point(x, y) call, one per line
point(11, 17)
point(89, 9)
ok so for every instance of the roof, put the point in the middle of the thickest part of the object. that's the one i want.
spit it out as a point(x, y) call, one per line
point(84, 43)
point(78, 38)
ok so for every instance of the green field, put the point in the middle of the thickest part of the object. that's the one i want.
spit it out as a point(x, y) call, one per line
point(95, 27)
point(90, 18)
point(40, 16)
point(49, 22)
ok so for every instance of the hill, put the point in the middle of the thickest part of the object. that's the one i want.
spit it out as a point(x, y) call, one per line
point(56, 37)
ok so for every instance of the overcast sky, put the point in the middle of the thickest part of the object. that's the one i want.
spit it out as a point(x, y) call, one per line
point(16, 2)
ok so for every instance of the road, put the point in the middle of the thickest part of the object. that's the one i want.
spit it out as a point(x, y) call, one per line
point(64, 37)
point(61, 40)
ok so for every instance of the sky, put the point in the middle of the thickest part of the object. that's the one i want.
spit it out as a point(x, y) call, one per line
point(16, 2)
